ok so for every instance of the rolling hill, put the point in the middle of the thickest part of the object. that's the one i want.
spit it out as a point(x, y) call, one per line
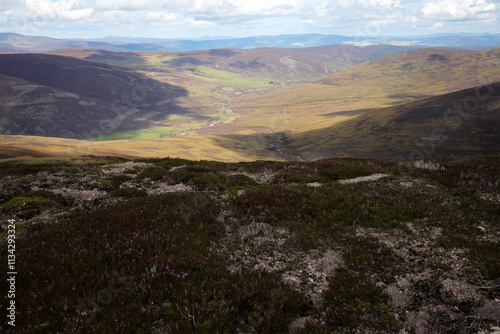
point(42, 44)
point(375, 84)
point(56, 96)
point(388, 107)
point(271, 64)
point(191, 88)
point(465, 122)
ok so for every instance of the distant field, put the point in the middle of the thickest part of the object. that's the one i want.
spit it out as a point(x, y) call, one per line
point(233, 79)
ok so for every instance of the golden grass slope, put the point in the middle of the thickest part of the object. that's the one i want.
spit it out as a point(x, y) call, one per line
point(219, 148)
point(460, 123)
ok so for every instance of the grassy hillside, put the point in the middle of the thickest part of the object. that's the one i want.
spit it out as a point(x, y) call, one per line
point(351, 112)
point(423, 71)
point(221, 148)
point(168, 245)
point(374, 84)
point(459, 123)
point(182, 91)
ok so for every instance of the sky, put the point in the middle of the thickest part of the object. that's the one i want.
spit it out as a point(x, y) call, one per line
point(242, 18)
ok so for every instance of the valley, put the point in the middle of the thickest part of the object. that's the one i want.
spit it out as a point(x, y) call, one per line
point(245, 104)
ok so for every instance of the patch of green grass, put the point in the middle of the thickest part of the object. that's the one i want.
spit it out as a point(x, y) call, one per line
point(117, 180)
point(27, 207)
point(232, 79)
point(155, 173)
point(367, 255)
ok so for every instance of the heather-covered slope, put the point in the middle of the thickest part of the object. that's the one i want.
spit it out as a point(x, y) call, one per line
point(170, 245)
point(56, 96)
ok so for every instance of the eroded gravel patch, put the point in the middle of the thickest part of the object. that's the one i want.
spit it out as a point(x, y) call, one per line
point(373, 177)
point(163, 188)
point(260, 178)
point(117, 169)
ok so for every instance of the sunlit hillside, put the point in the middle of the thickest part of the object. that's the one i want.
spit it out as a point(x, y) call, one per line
point(378, 83)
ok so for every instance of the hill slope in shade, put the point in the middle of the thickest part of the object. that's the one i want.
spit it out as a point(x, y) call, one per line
point(210, 78)
point(57, 96)
point(460, 123)
point(465, 122)
point(352, 112)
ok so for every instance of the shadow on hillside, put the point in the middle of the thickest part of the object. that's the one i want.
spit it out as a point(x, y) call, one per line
point(405, 97)
point(268, 146)
point(7, 152)
point(86, 98)
point(448, 125)
point(355, 112)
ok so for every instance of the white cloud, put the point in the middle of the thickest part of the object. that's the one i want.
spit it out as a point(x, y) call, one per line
point(33, 17)
point(200, 24)
point(328, 16)
point(161, 16)
point(460, 9)
point(59, 10)
point(120, 5)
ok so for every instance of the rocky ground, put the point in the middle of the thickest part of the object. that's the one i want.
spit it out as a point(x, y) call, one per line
point(434, 279)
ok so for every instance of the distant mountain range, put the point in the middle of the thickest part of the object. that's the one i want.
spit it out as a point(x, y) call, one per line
point(16, 42)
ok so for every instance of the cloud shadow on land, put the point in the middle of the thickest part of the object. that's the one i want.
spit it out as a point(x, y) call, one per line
point(405, 97)
point(354, 112)
point(251, 146)
point(259, 146)
point(58, 96)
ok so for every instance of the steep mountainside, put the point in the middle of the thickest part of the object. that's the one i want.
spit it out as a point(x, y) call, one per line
point(57, 96)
